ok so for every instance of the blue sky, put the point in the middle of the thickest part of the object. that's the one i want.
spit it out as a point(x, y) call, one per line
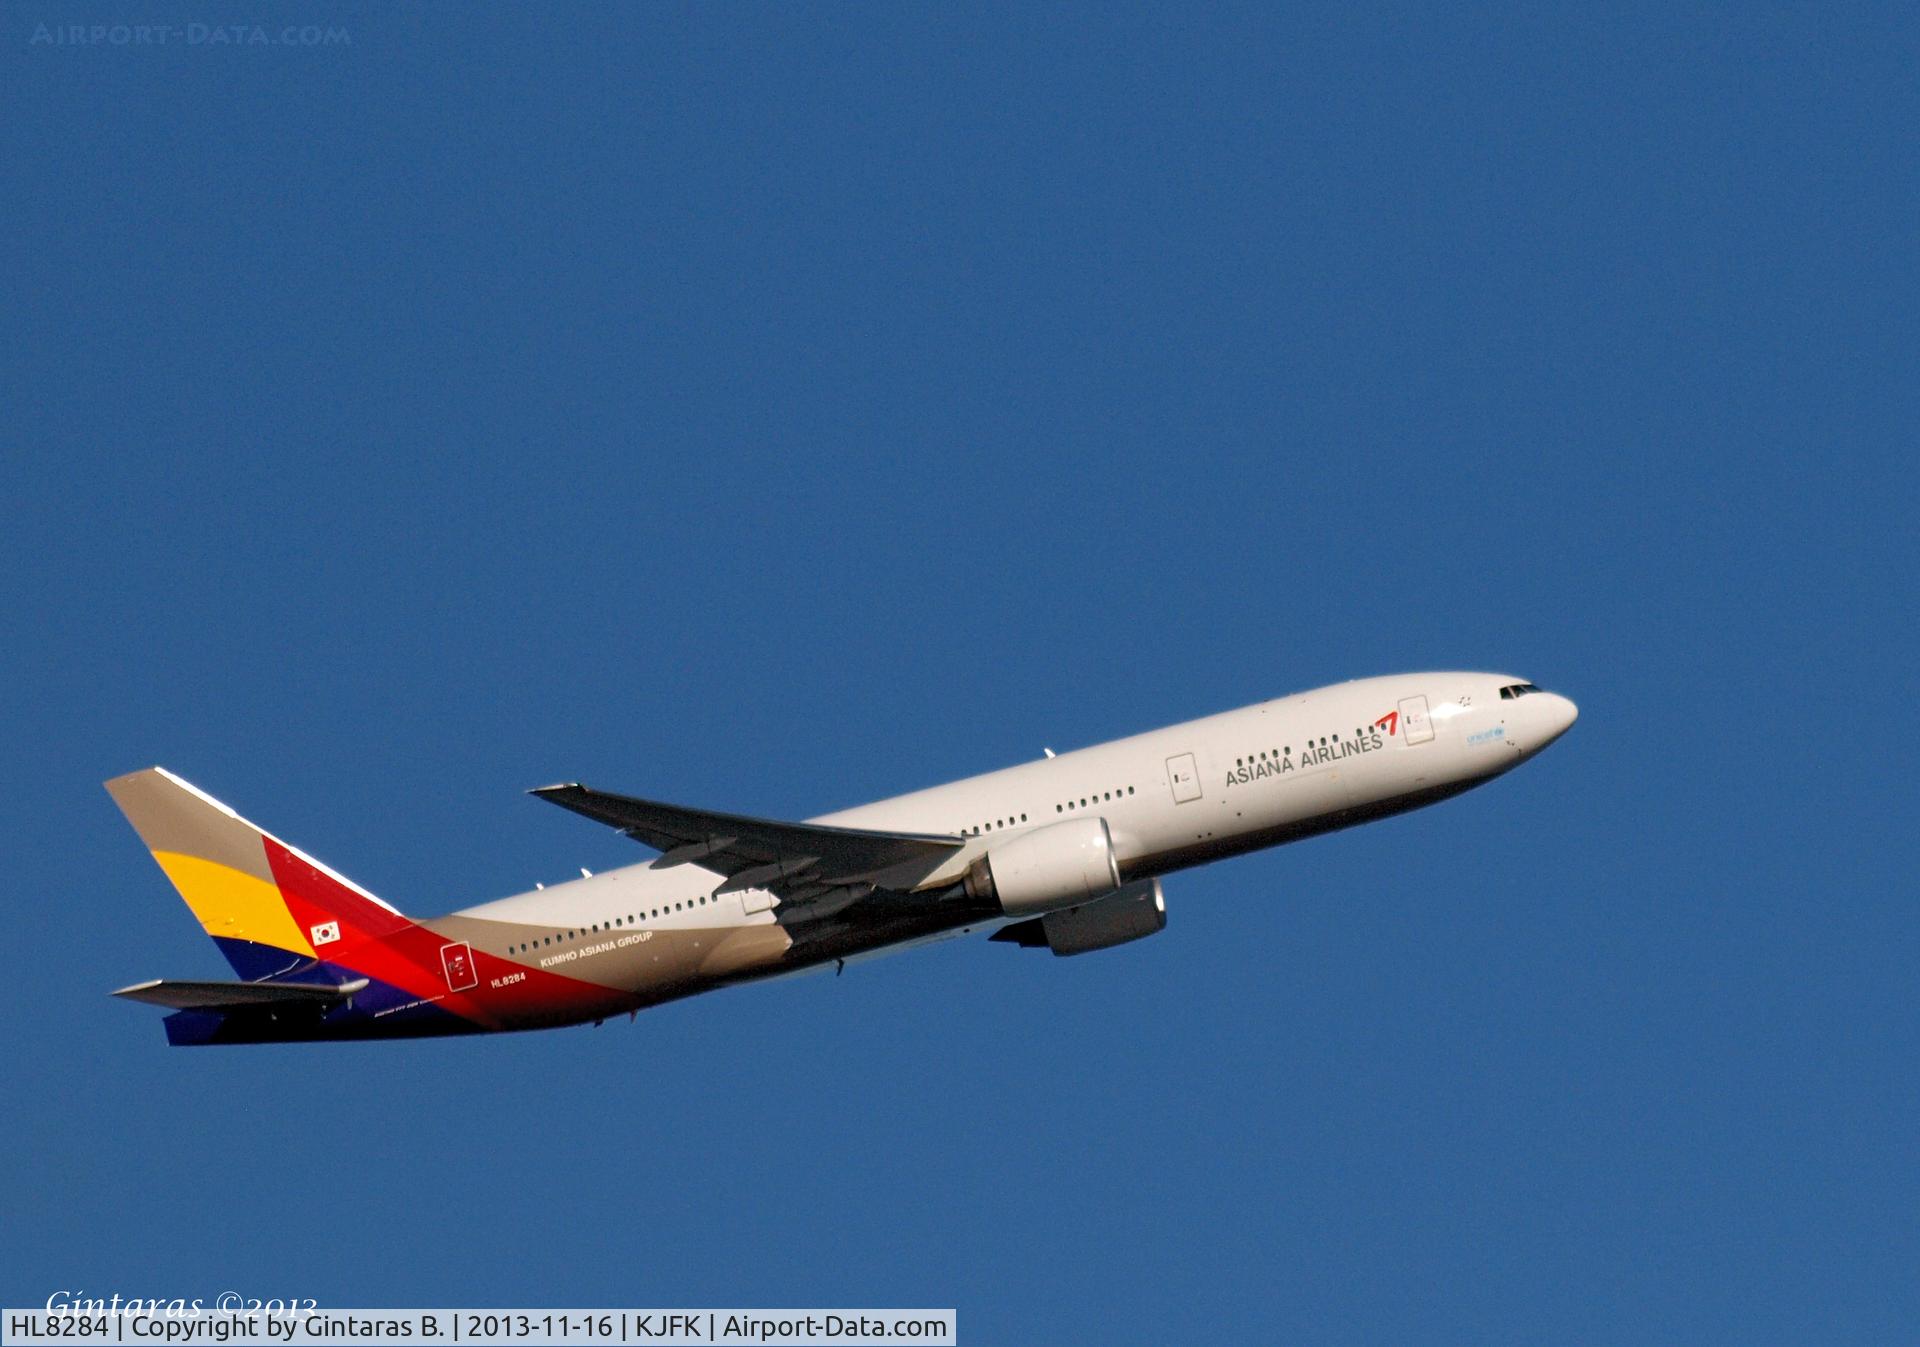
point(778, 408)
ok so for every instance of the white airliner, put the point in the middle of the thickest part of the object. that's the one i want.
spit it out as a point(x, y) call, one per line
point(1065, 852)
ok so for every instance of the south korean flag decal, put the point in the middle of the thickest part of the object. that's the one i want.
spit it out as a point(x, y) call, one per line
point(325, 933)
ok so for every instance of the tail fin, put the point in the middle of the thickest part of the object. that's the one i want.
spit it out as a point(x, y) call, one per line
point(269, 907)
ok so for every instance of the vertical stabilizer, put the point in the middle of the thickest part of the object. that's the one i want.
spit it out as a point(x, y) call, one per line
point(270, 908)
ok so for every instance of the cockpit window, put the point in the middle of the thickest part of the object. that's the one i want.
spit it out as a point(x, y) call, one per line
point(1512, 690)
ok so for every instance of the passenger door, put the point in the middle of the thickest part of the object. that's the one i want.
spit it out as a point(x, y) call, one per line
point(1183, 777)
point(1413, 720)
point(456, 960)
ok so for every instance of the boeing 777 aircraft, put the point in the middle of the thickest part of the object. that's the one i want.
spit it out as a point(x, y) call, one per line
point(1065, 852)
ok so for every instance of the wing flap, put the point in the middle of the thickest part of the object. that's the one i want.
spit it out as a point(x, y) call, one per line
point(754, 852)
point(177, 994)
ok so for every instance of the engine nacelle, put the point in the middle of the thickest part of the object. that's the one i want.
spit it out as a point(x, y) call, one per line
point(1131, 913)
point(1136, 911)
point(1056, 866)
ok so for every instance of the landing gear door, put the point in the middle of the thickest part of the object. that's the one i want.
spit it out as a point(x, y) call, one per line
point(1413, 720)
point(1184, 777)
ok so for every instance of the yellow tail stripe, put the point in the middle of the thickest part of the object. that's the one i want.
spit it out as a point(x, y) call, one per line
point(233, 905)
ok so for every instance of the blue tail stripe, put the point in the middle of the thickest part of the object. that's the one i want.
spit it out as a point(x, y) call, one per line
point(254, 961)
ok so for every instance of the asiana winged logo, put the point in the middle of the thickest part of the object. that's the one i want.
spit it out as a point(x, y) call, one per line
point(1389, 722)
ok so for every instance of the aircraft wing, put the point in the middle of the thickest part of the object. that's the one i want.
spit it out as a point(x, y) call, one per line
point(793, 860)
point(180, 995)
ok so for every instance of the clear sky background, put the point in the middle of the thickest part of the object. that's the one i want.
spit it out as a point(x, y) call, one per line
point(775, 408)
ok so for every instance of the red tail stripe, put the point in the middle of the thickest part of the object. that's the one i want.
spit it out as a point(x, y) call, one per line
point(382, 944)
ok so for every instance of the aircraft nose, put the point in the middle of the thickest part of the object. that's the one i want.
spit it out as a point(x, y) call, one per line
point(1557, 714)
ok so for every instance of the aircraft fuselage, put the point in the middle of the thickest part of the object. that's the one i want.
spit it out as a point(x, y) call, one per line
point(1172, 798)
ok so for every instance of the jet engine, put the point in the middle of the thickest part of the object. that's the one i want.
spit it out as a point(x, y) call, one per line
point(1055, 866)
point(1136, 911)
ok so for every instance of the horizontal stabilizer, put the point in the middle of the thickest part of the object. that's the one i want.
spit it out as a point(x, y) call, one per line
point(178, 995)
